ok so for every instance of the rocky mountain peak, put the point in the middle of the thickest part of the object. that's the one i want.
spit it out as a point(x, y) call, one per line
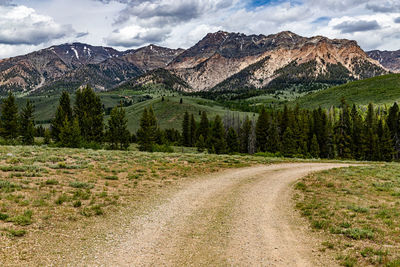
point(76, 54)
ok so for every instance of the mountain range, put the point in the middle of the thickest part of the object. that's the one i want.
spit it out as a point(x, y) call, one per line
point(221, 61)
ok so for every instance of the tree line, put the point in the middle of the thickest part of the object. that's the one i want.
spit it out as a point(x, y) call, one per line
point(344, 132)
point(338, 133)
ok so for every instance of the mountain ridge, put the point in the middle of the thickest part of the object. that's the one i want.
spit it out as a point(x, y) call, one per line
point(211, 64)
point(219, 56)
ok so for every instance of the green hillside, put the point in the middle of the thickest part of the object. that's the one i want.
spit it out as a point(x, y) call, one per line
point(378, 90)
point(170, 112)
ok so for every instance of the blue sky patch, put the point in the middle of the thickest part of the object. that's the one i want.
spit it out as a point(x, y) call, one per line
point(322, 20)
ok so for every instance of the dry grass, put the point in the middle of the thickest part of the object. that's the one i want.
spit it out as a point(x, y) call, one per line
point(357, 211)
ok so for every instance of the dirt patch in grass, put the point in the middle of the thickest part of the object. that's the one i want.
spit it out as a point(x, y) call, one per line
point(356, 211)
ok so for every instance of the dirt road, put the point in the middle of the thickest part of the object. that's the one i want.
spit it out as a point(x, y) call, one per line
point(235, 218)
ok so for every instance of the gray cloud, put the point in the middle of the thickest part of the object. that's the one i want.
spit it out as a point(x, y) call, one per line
point(397, 20)
point(387, 7)
point(154, 35)
point(5, 2)
point(23, 26)
point(336, 5)
point(357, 26)
point(164, 11)
point(155, 19)
point(81, 34)
point(36, 36)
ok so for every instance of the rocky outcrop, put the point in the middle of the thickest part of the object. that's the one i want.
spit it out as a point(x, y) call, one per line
point(388, 59)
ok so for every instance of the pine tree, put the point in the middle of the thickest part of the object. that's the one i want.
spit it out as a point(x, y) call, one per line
point(252, 138)
point(322, 127)
point(117, 132)
point(393, 120)
point(314, 147)
point(300, 127)
point(39, 131)
point(343, 133)
point(146, 135)
point(356, 133)
point(245, 132)
point(289, 143)
point(217, 138)
point(9, 118)
point(232, 141)
point(201, 144)
point(76, 138)
point(70, 134)
point(47, 136)
point(89, 111)
point(274, 140)
point(186, 130)
point(285, 120)
point(204, 126)
point(386, 150)
point(64, 110)
point(27, 128)
point(262, 131)
point(370, 137)
point(193, 130)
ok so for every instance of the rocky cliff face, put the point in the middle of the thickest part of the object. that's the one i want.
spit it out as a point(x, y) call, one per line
point(388, 59)
point(224, 60)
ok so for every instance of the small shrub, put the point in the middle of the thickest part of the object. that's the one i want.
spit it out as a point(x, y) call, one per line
point(77, 204)
point(3, 216)
point(349, 261)
point(61, 199)
point(345, 225)
point(81, 195)
point(51, 182)
point(358, 234)
point(111, 177)
point(82, 185)
point(97, 210)
point(162, 148)
point(328, 244)
point(16, 233)
point(6, 186)
point(358, 209)
point(61, 165)
point(24, 219)
point(301, 186)
point(319, 224)
point(94, 210)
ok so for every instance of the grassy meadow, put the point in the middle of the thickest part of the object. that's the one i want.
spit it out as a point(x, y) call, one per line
point(356, 211)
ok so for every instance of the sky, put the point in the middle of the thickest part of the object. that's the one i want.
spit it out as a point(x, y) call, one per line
point(29, 25)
